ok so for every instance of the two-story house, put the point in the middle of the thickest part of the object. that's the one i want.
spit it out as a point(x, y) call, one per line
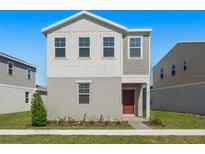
point(96, 67)
point(179, 79)
point(17, 84)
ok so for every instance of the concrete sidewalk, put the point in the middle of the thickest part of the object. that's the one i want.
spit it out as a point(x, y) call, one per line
point(150, 132)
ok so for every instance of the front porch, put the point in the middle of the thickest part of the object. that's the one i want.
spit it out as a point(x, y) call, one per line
point(135, 100)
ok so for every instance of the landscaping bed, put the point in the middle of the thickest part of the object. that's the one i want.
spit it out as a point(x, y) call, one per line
point(22, 120)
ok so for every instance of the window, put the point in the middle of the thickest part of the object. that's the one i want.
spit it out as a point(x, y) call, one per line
point(84, 47)
point(135, 47)
point(27, 97)
point(10, 68)
point(108, 46)
point(84, 93)
point(60, 47)
point(173, 70)
point(161, 73)
point(29, 73)
point(185, 63)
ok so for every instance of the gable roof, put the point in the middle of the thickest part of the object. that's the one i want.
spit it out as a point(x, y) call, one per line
point(16, 59)
point(175, 46)
point(77, 15)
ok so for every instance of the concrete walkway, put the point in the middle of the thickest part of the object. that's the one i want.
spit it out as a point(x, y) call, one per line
point(138, 125)
point(152, 132)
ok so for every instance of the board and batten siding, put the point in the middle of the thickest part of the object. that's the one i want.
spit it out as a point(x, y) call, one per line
point(136, 66)
point(96, 65)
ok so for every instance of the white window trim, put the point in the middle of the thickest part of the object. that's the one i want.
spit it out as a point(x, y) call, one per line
point(175, 70)
point(10, 62)
point(186, 63)
point(60, 58)
point(161, 73)
point(83, 58)
point(86, 82)
point(28, 73)
point(141, 55)
point(108, 46)
point(29, 100)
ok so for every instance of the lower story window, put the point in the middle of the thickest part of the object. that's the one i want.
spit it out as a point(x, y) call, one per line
point(27, 97)
point(83, 93)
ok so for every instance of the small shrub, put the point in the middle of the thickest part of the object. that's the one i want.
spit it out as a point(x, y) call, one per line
point(101, 119)
point(70, 121)
point(118, 122)
point(62, 121)
point(38, 111)
point(107, 122)
point(154, 122)
point(92, 120)
point(84, 118)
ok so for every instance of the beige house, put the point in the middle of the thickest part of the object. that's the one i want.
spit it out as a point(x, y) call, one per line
point(179, 79)
point(96, 67)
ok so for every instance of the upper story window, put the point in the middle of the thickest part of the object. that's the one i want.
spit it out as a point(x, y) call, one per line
point(185, 64)
point(173, 69)
point(29, 71)
point(161, 73)
point(84, 47)
point(27, 97)
point(84, 93)
point(10, 68)
point(135, 48)
point(108, 46)
point(60, 47)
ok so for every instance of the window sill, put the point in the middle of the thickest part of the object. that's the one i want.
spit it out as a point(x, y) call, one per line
point(108, 58)
point(60, 58)
point(133, 58)
point(84, 58)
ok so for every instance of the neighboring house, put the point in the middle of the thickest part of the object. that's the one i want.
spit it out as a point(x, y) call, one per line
point(96, 67)
point(179, 79)
point(17, 84)
point(43, 92)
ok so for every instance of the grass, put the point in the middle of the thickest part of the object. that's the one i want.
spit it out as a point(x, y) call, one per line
point(57, 139)
point(171, 120)
point(174, 120)
point(22, 120)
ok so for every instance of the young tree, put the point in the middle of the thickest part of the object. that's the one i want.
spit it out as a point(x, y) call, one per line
point(38, 111)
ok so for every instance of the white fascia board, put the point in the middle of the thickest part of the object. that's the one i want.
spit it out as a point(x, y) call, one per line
point(135, 79)
point(44, 30)
point(139, 30)
point(84, 81)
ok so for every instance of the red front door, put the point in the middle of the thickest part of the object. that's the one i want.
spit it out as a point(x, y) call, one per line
point(128, 101)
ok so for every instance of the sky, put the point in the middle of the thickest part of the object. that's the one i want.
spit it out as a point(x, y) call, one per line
point(20, 31)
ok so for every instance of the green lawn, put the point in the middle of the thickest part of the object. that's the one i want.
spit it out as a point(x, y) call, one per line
point(22, 120)
point(174, 120)
point(171, 120)
point(56, 139)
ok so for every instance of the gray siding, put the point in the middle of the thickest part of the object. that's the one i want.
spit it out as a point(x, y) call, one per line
point(136, 66)
point(20, 74)
point(194, 52)
point(12, 99)
point(105, 98)
point(180, 99)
